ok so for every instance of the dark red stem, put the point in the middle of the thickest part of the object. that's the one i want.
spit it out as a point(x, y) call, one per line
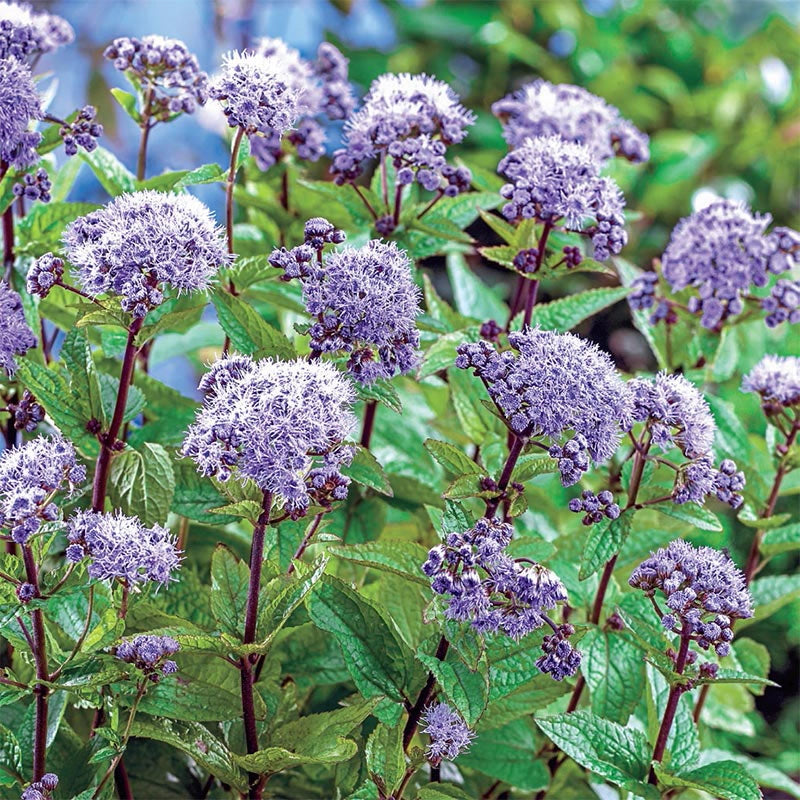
point(369, 422)
point(424, 697)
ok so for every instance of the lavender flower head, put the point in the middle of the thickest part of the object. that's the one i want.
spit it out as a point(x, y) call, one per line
point(164, 68)
point(722, 252)
point(557, 181)
point(777, 380)
point(19, 106)
point(450, 735)
point(16, 338)
point(703, 589)
point(149, 654)
point(122, 548)
point(555, 383)
point(541, 108)
point(141, 241)
point(782, 304)
point(364, 303)
point(26, 32)
point(322, 90)
point(256, 92)
point(411, 119)
point(29, 475)
point(41, 789)
point(279, 423)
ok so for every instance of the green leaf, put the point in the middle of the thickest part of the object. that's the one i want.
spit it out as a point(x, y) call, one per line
point(467, 394)
point(753, 657)
point(683, 743)
point(399, 557)
point(749, 518)
point(452, 458)
point(612, 751)
point(505, 230)
point(366, 470)
point(230, 578)
point(463, 209)
point(441, 355)
point(384, 754)
point(724, 779)
point(376, 658)
point(114, 177)
point(346, 198)
point(441, 310)
point(614, 671)
point(248, 332)
point(473, 297)
point(466, 689)
point(771, 593)
point(731, 434)
point(128, 103)
point(604, 542)
point(442, 791)
point(529, 466)
point(197, 742)
point(567, 312)
point(189, 698)
point(142, 483)
point(84, 382)
point(692, 513)
point(195, 496)
point(383, 392)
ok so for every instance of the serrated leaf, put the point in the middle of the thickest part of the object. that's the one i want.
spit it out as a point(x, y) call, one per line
point(366, 470)
point(142, 483)
point(567, 312)
point(248, 332)
point(195, 496)
point(452, 458)
point(399, 557)
point(230, 578)
point(528, 466)
point(442, 354)
point(683, 742)
point(114, 177)
point(771, 593)
point(692, 513)
point(465, 688)
point(604, 542)
point(724, 779)
point(473, 298)
point(384, 754)
point(383, 392)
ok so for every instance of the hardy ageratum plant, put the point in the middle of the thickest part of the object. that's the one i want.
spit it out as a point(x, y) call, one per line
point(16, 338)
point(541, 108)
point(322, 90)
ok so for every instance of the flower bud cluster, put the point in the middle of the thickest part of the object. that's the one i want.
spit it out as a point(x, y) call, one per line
point(83, 132)
point(45, 273)
point(41, 789)
point(573, 459)
point(783, 303)
point(27, 413)
point(149, 654)
point(595, 508)
point(560, 660)
point(34, 186)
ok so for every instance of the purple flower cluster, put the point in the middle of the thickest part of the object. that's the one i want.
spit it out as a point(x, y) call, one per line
point(595, 508)
point(149, 654)
point(83, 132)
point(141, 241)
point(16, 338)
point(573, 459)
point(279, 423)
point(122, 548)
point(556, 181)
point(555, 383)
point(41, 789)
point(45, 273)
point(450, 735)
point(26, 32)
point(364, 301)
point(256, 93)
point(34, 186)
point(643, 296)
point(541, 108)
point(29, 476)
point(19, 106)
point(560, 660)
point(411, 119)
point(704, 592)
point(27, 413)
point(777, 380)
point(165, 70)
point(322, 89)
point(783, 303)
point(722, 251)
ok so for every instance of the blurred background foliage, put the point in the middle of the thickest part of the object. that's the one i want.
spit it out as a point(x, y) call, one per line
point(714, 83)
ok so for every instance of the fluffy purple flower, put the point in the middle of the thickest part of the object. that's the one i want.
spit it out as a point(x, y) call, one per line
point(411, 119)
point(29, 474)
point(16, 338)
point(555, 383)
point(560, 660)
point(19, 106)
point(450, 735)
point(256, 92)
point(322, 90)
point(777, 380)
point(140, 241)
point(722, 251)
point(783, 303)
point(163, 68)
point(41, 789)
point(121, 547)
point(703, 590)
point(556, 181)
point(149, 654)
point(364, 303)
point(541, 108)
point(26, 32)
point(274, 422)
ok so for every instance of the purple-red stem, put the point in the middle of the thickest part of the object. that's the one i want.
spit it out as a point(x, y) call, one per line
point(424, 697)
point(306, 541)
point(369, 422)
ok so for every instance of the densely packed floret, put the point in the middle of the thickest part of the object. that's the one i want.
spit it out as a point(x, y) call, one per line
point(541, 108)
point(322, 89)
point(364, 301)
point(29, 477)
point(274, 422)
point(27, 413)
point(783, 303)
point(45, 273)
point(595, 507)
point(26, 32)
point(141, 243)
point(555, 384)
point(82, 132)
point(723, 251)
point(19, 106)
point(149, 654)
point(122, 548)
point(42, 789)
point(559, 182)
point(16, 338)
point(777, 380)
point(165, 70)
point(450, 735)
point(703, 590)
point(256, 93)
point(412, 120)
point(493, 591)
